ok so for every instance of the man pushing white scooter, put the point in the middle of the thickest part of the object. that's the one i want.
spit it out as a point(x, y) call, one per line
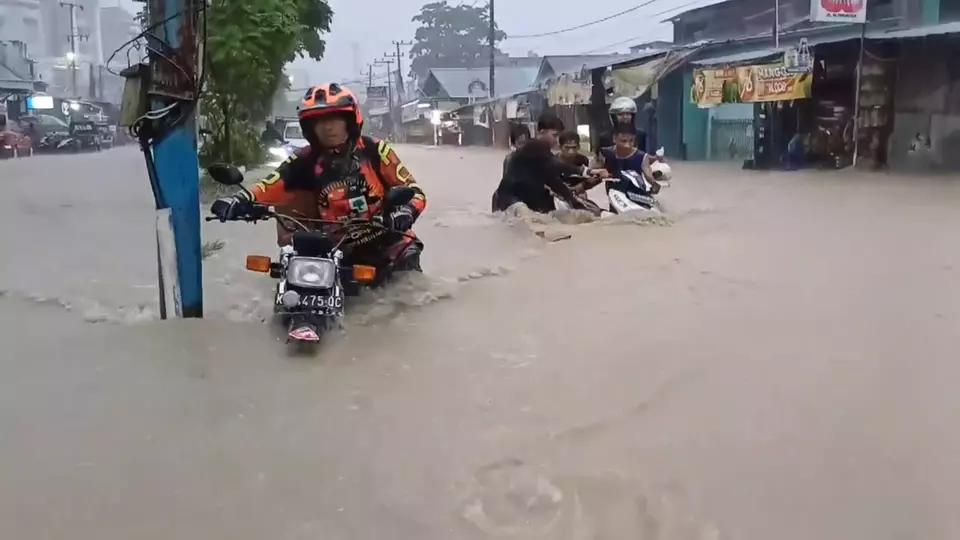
point(633, 177)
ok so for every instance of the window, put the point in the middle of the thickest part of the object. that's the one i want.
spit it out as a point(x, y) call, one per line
point(292, 131)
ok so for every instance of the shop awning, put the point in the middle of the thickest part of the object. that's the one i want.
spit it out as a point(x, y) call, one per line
point(635, 80)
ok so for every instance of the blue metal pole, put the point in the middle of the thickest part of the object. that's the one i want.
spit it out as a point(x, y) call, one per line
point(176, 167)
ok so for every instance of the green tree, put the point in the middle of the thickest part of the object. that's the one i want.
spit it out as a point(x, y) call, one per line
point(248, 45)
point(451, 36)
point(315, 17)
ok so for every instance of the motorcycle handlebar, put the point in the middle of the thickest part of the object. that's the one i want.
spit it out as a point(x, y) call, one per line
point(262, 212)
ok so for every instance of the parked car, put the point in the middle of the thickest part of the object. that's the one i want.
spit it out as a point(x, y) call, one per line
point(52, 133)
point(44, 124)
point(15, 142)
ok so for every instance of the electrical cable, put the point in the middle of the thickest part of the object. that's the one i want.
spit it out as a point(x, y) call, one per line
point(634, 38)
point(584, 25)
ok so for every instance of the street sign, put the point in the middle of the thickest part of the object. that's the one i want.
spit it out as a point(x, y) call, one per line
point(838, 11)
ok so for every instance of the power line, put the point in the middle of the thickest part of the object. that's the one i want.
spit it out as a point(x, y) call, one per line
point(584, 25)
point(364, 80)
point(635, 38)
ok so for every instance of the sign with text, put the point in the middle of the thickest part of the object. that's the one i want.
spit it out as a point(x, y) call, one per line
point(750, 84)
point(376, 92)
point(838, 11)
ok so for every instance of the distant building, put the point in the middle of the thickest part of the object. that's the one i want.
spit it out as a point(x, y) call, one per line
point(735, 19)
point(20, 20)
point(56, 23)
point(118, 26)
point(651, 46)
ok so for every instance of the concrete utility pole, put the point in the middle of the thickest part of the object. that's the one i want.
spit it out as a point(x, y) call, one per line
point(171, 155)
point(388, 63)
point(492, 40)
point(74, 37)
point(392, 58)
point(399, 66)
point(401, 96)
point(776, 24)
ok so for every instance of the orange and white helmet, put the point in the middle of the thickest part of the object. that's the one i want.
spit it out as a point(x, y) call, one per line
point(327, 99)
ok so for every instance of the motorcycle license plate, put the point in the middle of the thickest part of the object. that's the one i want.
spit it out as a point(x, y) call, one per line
point(321, 302)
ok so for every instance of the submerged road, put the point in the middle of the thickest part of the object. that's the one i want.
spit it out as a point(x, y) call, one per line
point(777, 364)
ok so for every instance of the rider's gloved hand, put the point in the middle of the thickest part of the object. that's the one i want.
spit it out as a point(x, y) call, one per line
point(228, 208)
point(402, 219)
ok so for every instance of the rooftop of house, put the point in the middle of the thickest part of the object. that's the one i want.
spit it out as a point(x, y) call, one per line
point(554, 66)
point(460, 83)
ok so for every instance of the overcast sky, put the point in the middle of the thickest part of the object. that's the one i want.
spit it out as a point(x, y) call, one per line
point(372, 29)
point(363, 31)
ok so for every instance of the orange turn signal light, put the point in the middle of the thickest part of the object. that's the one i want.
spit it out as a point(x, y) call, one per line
point(364, 274)
point(258, 263)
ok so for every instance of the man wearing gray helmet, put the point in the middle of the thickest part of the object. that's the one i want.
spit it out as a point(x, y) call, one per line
point(623, 110)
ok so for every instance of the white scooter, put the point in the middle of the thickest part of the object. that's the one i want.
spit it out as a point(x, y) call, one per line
point(630, 192)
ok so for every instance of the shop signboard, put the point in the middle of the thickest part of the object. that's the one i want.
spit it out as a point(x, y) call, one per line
point(750, 84)
point(838, 11)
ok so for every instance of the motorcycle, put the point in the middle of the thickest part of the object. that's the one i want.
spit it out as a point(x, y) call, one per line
point(314, 273)
point(583, 202)
point(630, 191)
point(57, 142)
point(279, 152)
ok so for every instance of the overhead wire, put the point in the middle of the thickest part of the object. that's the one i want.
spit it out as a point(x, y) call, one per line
point(640, 36)
point(584, 25)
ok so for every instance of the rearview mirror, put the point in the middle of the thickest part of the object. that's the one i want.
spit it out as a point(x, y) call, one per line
point(399, 196)
point(227, 175)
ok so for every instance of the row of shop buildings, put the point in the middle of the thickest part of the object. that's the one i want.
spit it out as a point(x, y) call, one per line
point(886, 92)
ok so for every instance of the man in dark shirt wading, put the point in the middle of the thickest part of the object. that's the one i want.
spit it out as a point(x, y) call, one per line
point(534, 175)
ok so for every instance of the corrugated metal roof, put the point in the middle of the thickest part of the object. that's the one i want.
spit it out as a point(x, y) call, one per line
point(626, 58)
point(736, 58)
point(519, 61)
point(920, 31)
point(835, 35)
point(11, 81)
point(510, 80)
point(563, 64)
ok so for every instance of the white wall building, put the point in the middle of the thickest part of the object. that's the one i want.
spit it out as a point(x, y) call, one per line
point(21, 20)
point(117, 27)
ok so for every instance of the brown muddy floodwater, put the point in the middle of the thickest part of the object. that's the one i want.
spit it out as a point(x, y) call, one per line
point(779, 363)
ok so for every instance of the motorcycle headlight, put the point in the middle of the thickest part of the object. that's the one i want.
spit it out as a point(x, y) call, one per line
point(279, 152)
point(311, 273)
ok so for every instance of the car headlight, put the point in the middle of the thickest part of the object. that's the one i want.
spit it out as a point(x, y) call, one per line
point(279, 152)
point(311, 273)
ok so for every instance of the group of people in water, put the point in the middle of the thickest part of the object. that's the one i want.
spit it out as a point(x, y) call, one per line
point(343, 175)
point(535, 177)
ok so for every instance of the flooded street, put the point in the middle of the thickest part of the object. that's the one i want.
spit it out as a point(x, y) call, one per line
point(779, 363)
